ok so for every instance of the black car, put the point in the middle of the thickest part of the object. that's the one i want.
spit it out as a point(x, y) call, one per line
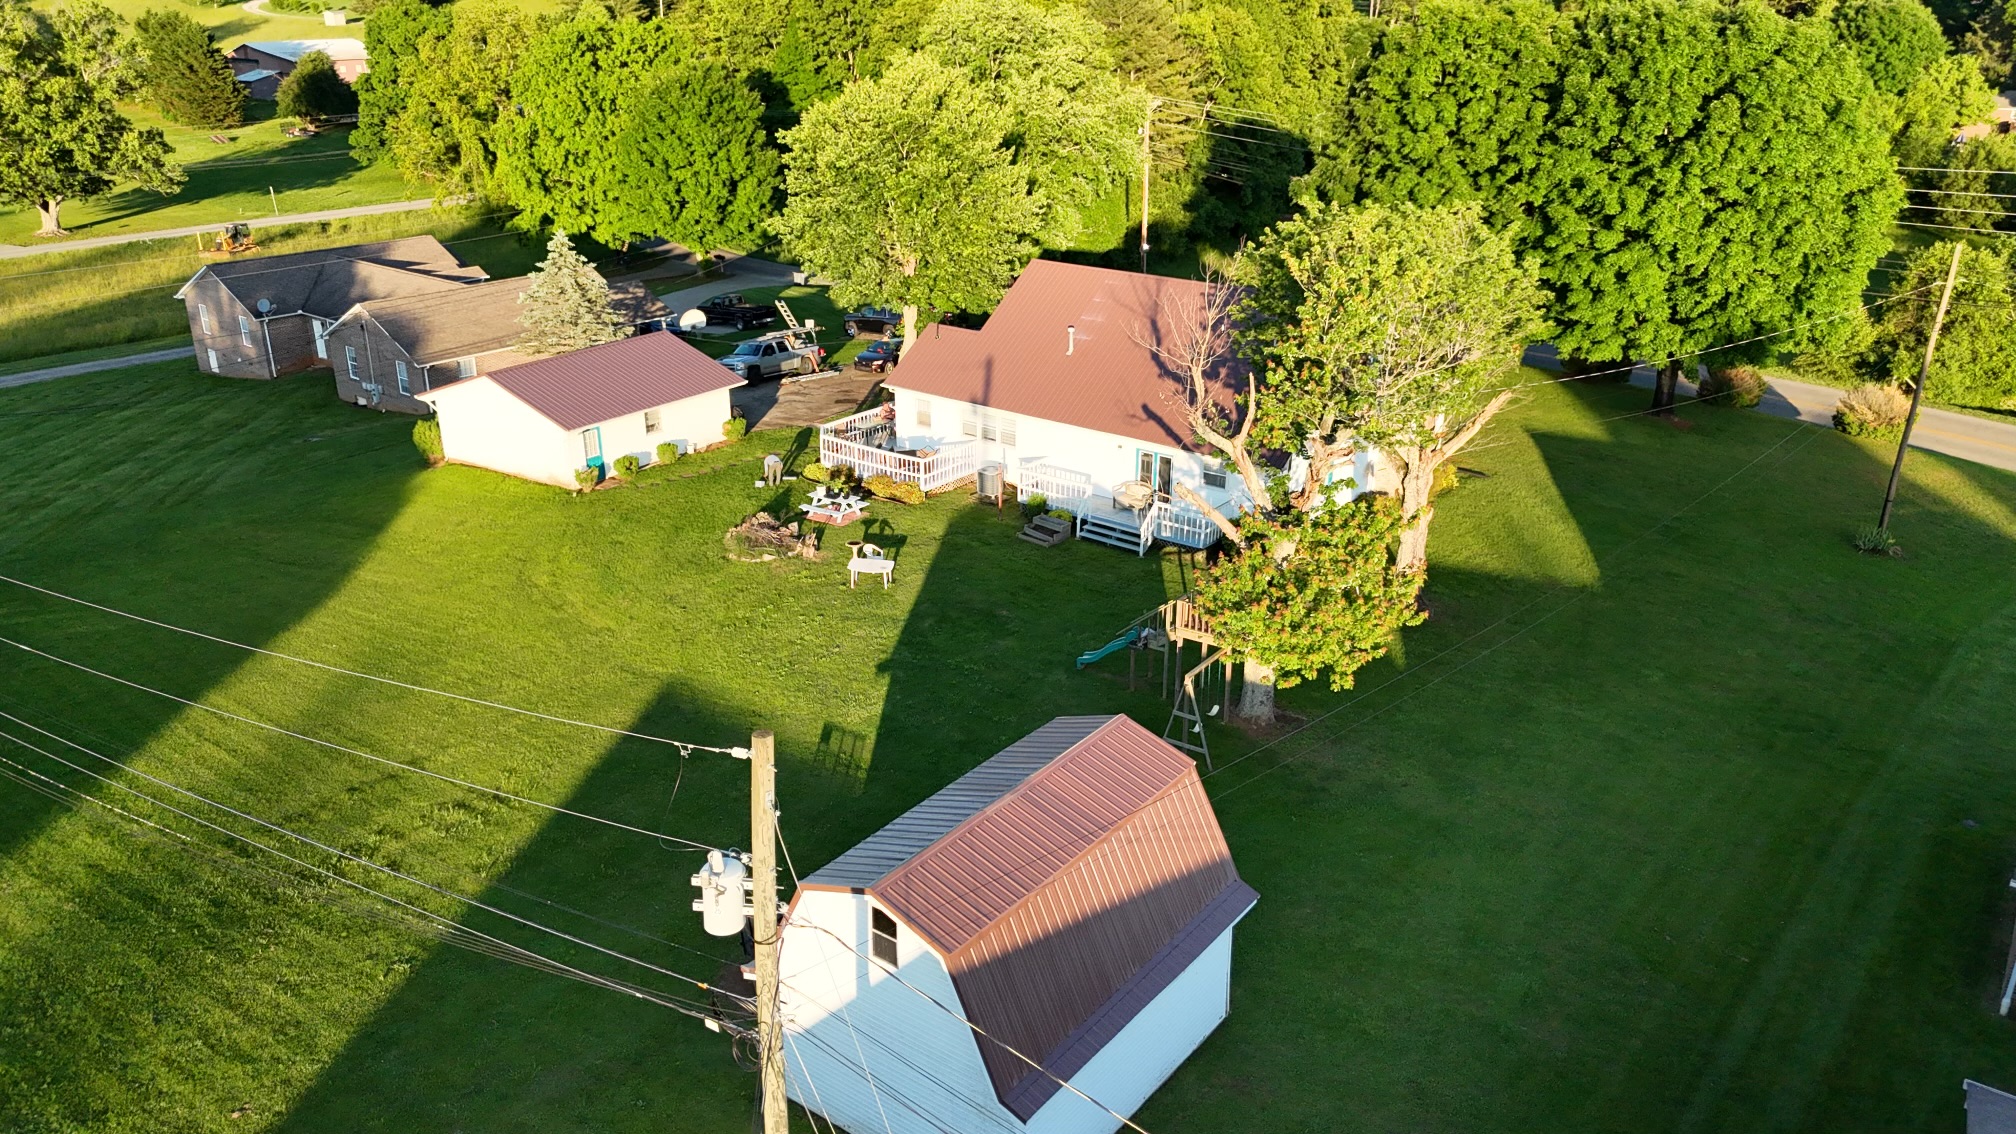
point(877, 357)
point(871, 321)
point(731, 311)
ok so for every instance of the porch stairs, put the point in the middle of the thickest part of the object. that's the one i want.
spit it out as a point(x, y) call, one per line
point(1117, 529)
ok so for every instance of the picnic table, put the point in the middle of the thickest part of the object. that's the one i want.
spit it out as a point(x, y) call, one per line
point(836, 508)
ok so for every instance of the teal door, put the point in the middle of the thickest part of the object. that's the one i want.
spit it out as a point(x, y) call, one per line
point(591, 450)
point(1156, 471)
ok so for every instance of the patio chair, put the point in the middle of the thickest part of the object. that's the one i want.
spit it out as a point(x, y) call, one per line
point(869, 560)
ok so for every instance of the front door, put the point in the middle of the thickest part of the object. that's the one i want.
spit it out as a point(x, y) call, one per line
point(1157, 472)
point(591, 449)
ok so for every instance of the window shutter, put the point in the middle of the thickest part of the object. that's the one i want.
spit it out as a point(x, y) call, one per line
point(971, 425)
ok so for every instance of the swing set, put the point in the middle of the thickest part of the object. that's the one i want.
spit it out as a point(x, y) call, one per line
point(1169, 630)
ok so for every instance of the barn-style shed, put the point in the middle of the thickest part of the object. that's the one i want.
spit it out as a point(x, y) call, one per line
point(1062, 913)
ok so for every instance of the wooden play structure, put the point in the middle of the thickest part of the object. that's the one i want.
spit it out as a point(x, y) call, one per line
point(1169, 630)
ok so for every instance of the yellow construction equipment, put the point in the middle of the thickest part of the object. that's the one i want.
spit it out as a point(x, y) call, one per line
point(231, 240)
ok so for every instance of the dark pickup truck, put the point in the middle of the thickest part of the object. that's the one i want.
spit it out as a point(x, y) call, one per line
point(730, 311)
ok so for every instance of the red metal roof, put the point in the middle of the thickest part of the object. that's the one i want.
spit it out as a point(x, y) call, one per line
point(1059, 904)
point(1104, 375)
point(584, 387)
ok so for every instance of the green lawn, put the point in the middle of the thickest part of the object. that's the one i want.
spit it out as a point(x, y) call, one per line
point(61, 302)
point(1679, 817)
point(229, 182)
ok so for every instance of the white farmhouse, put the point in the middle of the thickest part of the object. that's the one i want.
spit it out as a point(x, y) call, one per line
point(1062, 913)
point(543, 420)
point(1064, 388)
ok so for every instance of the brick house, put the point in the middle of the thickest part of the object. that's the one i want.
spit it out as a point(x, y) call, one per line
point(388, 352)
point(268, 316)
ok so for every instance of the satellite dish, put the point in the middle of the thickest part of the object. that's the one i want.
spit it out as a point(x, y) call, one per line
point(692, 319)
point(265, 306)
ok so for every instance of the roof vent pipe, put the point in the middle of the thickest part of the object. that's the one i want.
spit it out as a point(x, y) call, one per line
point(1070, 338)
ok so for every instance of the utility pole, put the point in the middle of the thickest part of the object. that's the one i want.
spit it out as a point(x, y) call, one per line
point(763, 900)
point(1918, 391)
point(1147, 166)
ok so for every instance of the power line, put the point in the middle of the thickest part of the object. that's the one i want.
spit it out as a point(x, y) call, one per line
point(685, 747)
point(1949, 169)
point(593, 978)
point(1963, 193)
point(498, 792)
point(1953, 228)
point(1952, 209)
point(58, 249)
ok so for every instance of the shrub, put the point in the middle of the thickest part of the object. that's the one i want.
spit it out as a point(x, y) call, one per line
point(627, 465)
point(668, 452)
point(1875, 410)
point(841, 476)
point(734, 428)
point(1738, 386)
point(1058, 514)
point(816, 473)
point(890, 489)
point(587, 478)
point(1443, 479)
point(427, 439)
point(1872, 540)
point(1035, 504)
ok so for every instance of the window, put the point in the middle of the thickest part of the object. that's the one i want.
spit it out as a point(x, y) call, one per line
point(923, 413)
point(650, 421)
point(203, 317)
point(1214, 476)
point(350, 361)
point(882, 937)
point(465, 367)
point(990, 426)
point(213, 360)
point(399, 369)
point(244, 330)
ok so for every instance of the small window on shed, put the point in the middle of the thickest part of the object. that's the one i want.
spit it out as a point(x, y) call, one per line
point(923, 413)
point(651, 421)
point(882, 937)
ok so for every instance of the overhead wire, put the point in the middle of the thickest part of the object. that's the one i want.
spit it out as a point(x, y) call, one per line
point(638, 991)
point(1953, 228)
point(683, 746)
point(499, 793)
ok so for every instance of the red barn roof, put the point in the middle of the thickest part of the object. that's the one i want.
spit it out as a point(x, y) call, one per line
point(1072, 344)
point(1066, 882)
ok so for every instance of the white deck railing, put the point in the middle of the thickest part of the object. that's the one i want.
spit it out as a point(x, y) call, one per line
point(1060, 486)
point(866, 442)
point(1181, 524)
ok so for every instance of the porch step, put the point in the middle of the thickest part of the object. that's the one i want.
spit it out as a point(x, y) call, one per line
point(1113, 533)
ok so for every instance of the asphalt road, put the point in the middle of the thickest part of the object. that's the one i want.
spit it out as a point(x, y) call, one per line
point(166, 354)
point(14, 251)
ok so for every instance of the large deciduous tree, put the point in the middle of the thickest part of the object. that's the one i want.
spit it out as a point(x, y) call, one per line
point(1385, 326)
point(1718, 172)
point(183, 74)
point(1895, 40)
point(558, 150)
point(457, 87)
point(1072, 126)
point(903, 190)
point(565, 305)
point(61, 134)
point(694, 163)
point(1975, 364)
point(313, 90)
point(393, 36)
point(1456, 104)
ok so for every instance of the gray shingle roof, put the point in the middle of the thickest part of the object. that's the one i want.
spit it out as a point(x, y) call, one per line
point(438, 325)
point(329, 281)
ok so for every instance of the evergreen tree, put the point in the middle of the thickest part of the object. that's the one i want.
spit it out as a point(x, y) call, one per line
point(1148, 47)
point(566, 303)
point(184, 75)
point(694, 164)
point(313, 90)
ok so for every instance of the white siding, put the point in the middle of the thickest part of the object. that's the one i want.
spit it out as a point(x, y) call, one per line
point(848, 1021)
point(1107, 458)
point(691, 422)
point(483, 425)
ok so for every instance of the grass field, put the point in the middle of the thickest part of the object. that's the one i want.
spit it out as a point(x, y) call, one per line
point(229, 182)
point(1677, 815)
point(96, 297)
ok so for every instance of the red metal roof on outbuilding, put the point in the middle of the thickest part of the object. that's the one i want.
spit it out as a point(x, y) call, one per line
point(585, 387)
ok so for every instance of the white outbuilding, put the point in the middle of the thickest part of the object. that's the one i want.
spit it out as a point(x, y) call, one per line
point(544, 420)
point(1062, 914)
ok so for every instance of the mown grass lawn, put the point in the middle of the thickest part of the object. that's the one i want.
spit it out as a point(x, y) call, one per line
point(1677, 816)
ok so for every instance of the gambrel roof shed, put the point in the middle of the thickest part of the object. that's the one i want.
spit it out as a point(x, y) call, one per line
point(1065, 883)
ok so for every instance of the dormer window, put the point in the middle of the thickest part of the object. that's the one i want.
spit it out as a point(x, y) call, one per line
point(882, 937)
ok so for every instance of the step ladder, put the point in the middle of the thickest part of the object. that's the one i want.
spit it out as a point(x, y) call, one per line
point(1185, 729)
point(793, 328)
